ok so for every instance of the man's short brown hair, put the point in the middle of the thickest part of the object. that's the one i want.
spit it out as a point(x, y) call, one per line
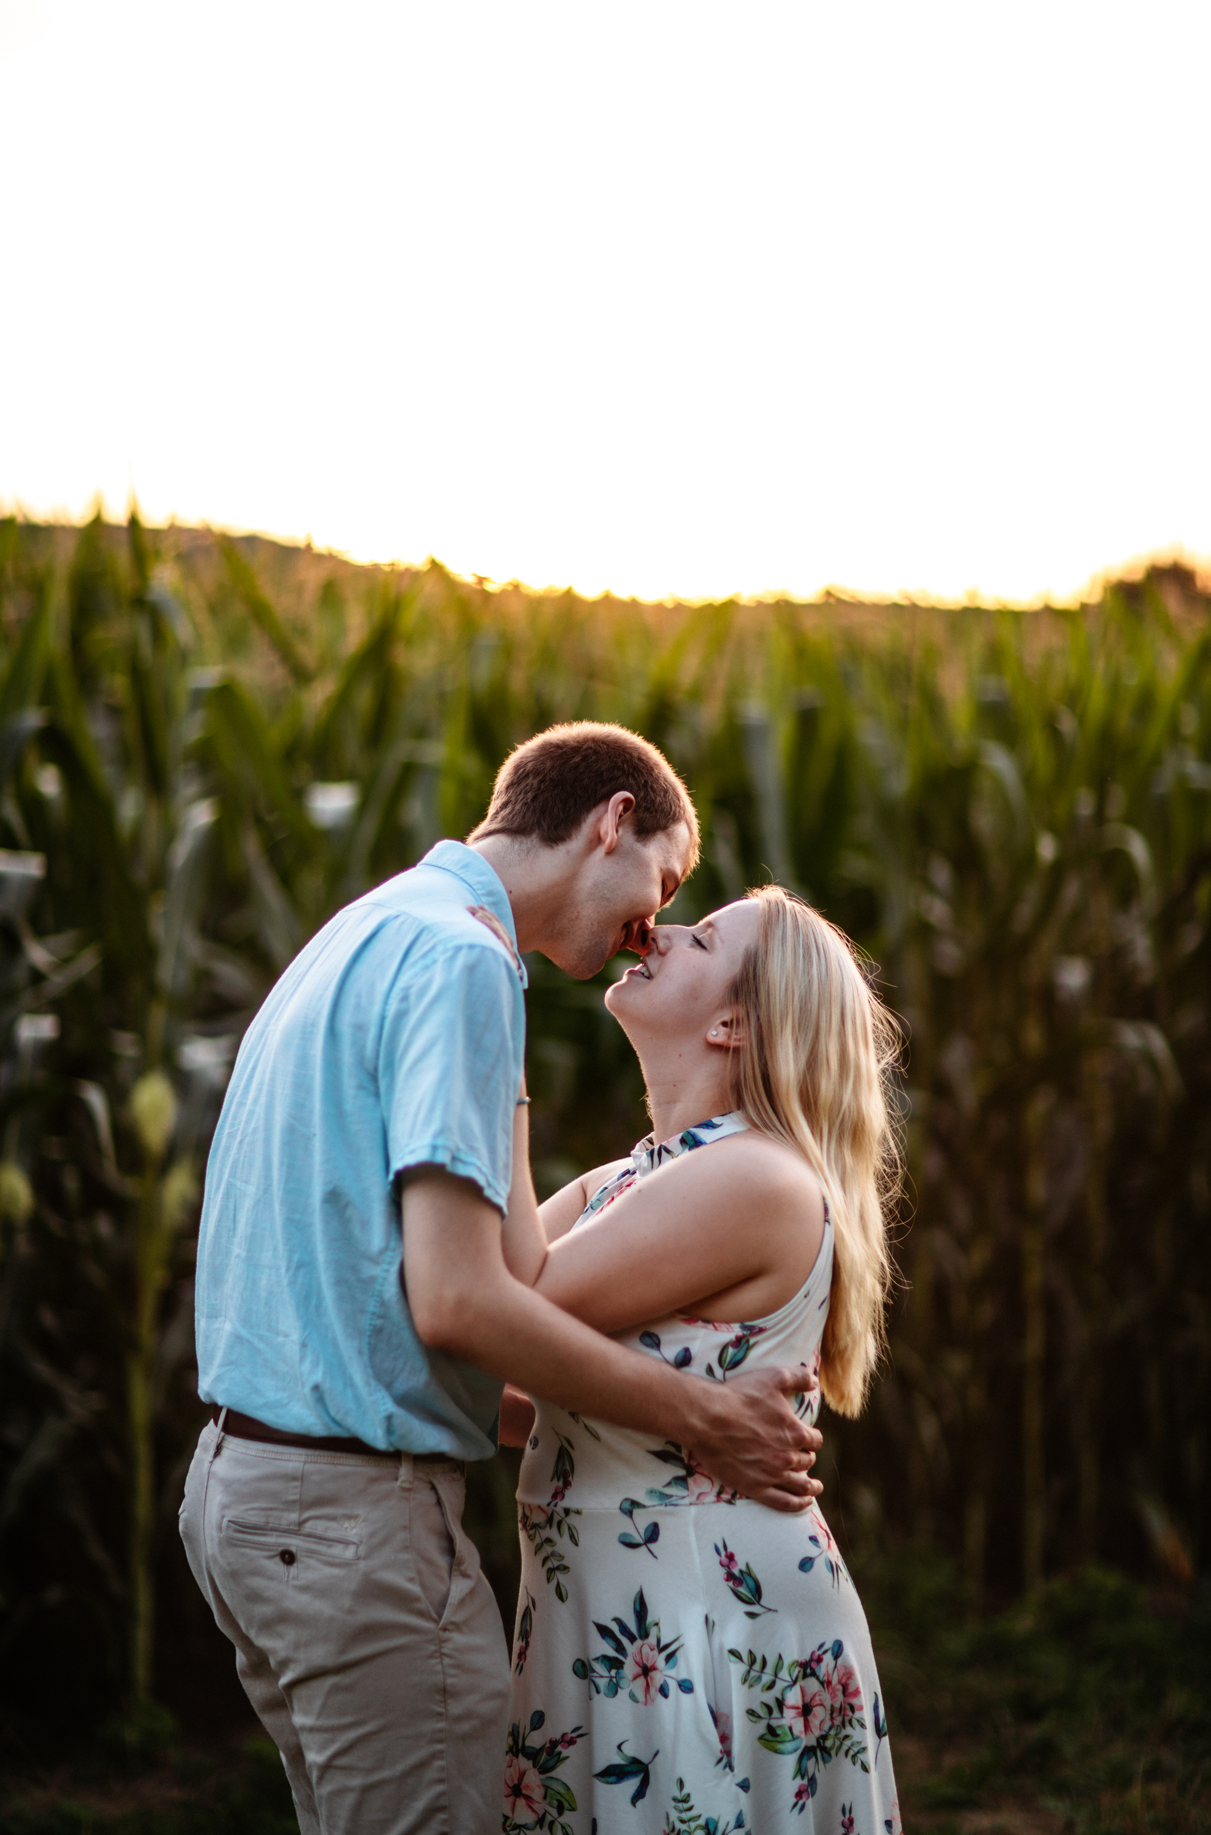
point(549, 784)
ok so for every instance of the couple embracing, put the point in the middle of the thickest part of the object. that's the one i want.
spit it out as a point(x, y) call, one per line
point(380, 1299)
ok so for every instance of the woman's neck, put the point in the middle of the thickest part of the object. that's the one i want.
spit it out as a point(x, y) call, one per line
point(682, 1093)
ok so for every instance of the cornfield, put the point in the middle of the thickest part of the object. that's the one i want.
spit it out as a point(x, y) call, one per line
point(207, 746)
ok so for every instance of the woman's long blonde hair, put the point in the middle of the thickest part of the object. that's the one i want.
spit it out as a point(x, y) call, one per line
point(814, 1070)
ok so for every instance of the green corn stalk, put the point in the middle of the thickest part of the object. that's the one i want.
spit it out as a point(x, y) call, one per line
point(1012, 813)
point(153, 1106)
point(1034, 1329)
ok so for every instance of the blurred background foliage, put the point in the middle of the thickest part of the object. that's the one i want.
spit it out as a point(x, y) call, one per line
point(208, 745)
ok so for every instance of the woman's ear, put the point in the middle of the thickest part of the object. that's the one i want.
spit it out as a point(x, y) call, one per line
point(726, 1030)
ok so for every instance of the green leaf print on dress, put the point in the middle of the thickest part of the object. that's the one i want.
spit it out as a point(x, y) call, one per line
point(729, 1358)
point(812, 1712)
point(692, 1483)
point(629, 1767)
point(828, 1553)
point(742, 1582)
point(534, 1797)
point(636, 1656)
point(546, 1525)
point(647, 1536)
point(541, 1525)
point(525, 1631)
point(683, 1819)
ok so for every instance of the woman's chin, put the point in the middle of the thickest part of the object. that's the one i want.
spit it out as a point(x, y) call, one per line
point(620, 1001)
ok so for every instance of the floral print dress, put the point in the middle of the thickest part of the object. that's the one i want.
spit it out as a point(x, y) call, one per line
point(687, 1662)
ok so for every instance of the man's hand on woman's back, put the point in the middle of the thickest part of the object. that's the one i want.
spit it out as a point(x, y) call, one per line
point(754, 1442)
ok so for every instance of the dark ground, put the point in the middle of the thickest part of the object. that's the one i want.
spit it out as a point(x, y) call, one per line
point(1089, 1711)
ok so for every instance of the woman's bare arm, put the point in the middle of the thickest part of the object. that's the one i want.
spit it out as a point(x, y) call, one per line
point(560, 1212)
point(737, 1225)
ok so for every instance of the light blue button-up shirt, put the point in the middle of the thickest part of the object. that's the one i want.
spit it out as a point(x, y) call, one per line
point(395, 1039)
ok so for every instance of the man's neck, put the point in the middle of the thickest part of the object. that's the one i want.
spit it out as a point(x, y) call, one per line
point(534, 878)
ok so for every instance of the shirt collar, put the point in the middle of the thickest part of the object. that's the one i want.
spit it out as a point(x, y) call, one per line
point(647, 1155)
point(483, 881)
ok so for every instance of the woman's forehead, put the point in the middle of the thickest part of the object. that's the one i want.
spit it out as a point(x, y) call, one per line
point(737, 922)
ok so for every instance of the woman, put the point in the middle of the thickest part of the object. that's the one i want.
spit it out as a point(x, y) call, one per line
point(686, 1660)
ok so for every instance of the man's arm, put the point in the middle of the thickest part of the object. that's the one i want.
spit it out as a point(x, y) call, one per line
point(516, 1417)
point(529, 1227)
point(523, 1240)
point(465, 1302)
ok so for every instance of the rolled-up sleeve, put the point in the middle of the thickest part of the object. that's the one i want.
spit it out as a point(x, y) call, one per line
point(449, 1064)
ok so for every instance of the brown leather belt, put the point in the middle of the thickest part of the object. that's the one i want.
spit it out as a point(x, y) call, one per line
point(247, 1427)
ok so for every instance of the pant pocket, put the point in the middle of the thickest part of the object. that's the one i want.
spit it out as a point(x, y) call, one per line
point(291, 1548)
point(434, 1540)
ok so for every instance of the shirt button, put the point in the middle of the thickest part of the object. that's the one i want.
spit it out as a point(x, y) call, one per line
point(287, 1557)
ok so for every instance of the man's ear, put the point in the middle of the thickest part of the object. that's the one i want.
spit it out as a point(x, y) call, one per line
point(609, 825)
point(727, 1030)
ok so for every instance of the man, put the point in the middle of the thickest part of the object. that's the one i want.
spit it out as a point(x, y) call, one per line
point(351, 1379)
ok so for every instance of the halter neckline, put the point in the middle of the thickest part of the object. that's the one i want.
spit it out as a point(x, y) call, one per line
point(648, 1154)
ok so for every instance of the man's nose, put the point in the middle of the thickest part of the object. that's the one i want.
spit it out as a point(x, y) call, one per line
point(640, 932)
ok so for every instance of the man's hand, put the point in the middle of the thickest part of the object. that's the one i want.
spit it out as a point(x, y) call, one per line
point(756, 1444)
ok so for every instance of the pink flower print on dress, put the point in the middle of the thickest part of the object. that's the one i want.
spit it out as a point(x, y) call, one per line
point(844, 1693)
point(638, 1660)
point(807, 1710)
point(700, 1486)
point(525, 1798)
point(847, 1819)
point(645, 1672)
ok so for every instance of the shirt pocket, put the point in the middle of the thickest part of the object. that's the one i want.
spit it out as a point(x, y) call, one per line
point(288, 1545)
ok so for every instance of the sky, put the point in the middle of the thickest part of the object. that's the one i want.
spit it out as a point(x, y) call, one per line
point(670, 299)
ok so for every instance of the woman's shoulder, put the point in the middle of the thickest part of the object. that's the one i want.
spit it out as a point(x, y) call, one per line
point(765, 1170)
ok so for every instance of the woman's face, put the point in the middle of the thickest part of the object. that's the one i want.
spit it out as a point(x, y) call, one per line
point(679, 990)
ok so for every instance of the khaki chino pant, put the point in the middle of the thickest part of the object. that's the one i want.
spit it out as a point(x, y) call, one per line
point(366, 1636)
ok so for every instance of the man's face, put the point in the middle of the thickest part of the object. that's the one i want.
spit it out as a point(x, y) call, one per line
point(616, 895)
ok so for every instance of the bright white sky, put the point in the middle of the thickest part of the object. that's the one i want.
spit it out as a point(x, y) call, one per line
point(669, 297)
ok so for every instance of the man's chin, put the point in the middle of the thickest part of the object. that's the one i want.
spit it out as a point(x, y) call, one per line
point(583, 963)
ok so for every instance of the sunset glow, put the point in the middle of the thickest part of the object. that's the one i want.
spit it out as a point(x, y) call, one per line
point(680, 299)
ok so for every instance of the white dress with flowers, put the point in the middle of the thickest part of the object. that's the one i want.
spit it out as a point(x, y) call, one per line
point(687, 1662)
